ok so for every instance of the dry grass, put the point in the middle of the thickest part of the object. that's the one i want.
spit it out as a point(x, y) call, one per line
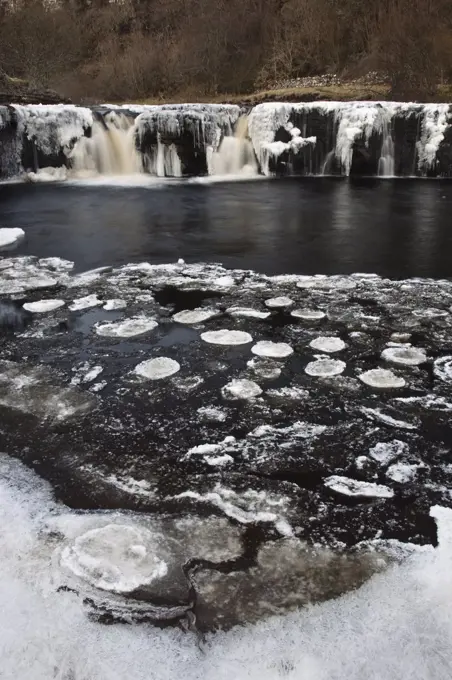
point(344, 92)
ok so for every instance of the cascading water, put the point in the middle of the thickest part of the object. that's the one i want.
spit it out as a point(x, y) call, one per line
point(44, 143)
point(235, 155)
point(386, 163)
point(110, 150)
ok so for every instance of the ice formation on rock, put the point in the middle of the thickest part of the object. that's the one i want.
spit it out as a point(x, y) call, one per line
point(226, 337)
point(241, 389)
point(272, 350)
point(158, 368)
point(327, 344)
point(381, 378)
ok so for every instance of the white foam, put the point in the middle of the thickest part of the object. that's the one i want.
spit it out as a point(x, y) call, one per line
point(327, 344)
point(226, 337)
point(241, 389)
point(279, 302)
point(136, 325)
point(407, 356)
point(273, 350)
point(308, 314)
point(325, 368)
point(353, 487)
point(43, 306)
point(86, 302)
point(10, 236)
point(116, 558)
point(157, 369)
point(195, 316)
point(381, 378)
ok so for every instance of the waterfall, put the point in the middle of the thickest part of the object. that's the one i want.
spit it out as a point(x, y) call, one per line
point(110, 150)
point(48, 143)
point(163, 161)
point(235, 155)
point(386, 163)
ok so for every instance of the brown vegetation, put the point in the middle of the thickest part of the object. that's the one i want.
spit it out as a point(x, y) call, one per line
point(95, 50)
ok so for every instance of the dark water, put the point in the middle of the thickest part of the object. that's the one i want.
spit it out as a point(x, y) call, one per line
point(395, 228)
